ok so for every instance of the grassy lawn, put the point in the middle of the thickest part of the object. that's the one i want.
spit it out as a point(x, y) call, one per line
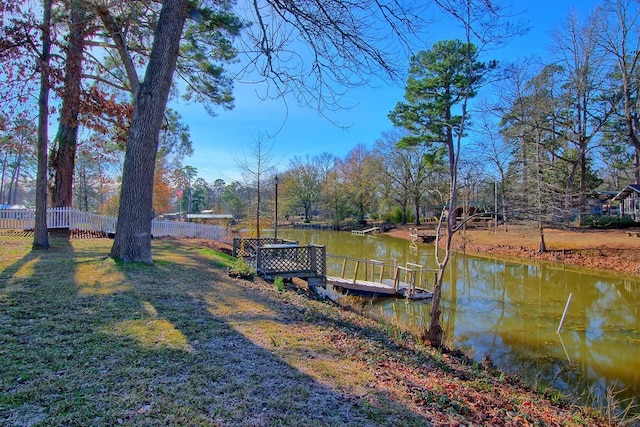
point(85, 340)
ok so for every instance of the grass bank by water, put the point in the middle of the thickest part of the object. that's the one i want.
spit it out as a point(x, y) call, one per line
point(85, 340)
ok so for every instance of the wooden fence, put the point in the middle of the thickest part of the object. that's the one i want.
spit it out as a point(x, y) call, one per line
point(74, 219)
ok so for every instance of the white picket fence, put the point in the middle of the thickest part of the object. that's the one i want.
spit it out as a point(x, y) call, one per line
point(74, 219)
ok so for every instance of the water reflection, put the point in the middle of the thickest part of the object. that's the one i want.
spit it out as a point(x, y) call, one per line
point(510, 312)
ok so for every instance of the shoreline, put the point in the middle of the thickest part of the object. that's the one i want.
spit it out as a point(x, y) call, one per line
point(612, 251)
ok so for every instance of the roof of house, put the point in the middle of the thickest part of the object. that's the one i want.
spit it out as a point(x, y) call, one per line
point(624, 193)
point(203, 215)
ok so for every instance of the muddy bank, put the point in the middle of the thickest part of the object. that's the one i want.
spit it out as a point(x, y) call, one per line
point(608, 250)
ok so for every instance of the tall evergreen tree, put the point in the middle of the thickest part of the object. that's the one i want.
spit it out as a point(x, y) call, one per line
point(440, 80)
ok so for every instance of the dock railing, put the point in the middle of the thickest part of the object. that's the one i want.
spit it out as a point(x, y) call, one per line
point(411, 276)
point(355, 269)
point(414, 275)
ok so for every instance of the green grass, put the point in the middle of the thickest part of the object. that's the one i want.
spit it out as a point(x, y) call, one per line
point(219, 259)
point(86, 340)
point(90, 341)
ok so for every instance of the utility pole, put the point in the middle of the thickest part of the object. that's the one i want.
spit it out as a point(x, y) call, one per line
point(275, 228)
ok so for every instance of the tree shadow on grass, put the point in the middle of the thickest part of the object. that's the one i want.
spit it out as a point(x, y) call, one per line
point(95, 342)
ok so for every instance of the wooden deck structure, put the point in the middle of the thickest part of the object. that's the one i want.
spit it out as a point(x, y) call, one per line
point(419, 236)
point(283, 258)
point(287, 259)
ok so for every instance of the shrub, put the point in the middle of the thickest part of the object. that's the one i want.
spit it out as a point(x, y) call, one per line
point(241, 269)
point(395, 216)
point(608, 221)
point(278, 283)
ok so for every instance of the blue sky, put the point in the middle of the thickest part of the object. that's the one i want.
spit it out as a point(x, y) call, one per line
point(219, 140)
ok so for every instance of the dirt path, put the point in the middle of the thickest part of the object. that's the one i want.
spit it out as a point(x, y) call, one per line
point(609, 250)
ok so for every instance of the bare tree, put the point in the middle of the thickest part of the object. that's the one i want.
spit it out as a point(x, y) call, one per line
point(586, 112)
point(357, 173)
point(315, 50)
point(497, 152)
point(404, 170)
point(619, 36)
point(256, 166)
point(304, 178)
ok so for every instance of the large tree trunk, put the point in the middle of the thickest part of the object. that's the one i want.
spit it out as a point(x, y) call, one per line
point(41, 234)
point(133, 233)
point(63, 160)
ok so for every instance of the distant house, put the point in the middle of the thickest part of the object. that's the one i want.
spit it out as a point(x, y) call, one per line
point(601, 204)
point(629, 199)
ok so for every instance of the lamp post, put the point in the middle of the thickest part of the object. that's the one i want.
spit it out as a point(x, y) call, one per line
point(275, 228)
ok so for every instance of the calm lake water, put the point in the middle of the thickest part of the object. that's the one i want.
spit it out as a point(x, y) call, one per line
point(511, 312)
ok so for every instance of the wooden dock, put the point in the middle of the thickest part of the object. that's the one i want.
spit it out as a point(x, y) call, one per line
point(367, 231)
point(419, 236)
point(380, 278)
point(378, 288)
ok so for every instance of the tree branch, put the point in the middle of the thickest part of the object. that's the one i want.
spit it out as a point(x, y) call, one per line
point(121, 46)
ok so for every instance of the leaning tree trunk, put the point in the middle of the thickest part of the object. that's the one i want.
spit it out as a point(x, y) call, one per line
point(40, 232)
point(133, 233)
point(435, 332)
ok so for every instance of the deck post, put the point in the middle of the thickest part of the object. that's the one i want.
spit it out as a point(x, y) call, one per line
point(324, 261)
point(412, 281)
point(355, 272)
point(258, 257)
point(396, 279)
point(236, 243)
